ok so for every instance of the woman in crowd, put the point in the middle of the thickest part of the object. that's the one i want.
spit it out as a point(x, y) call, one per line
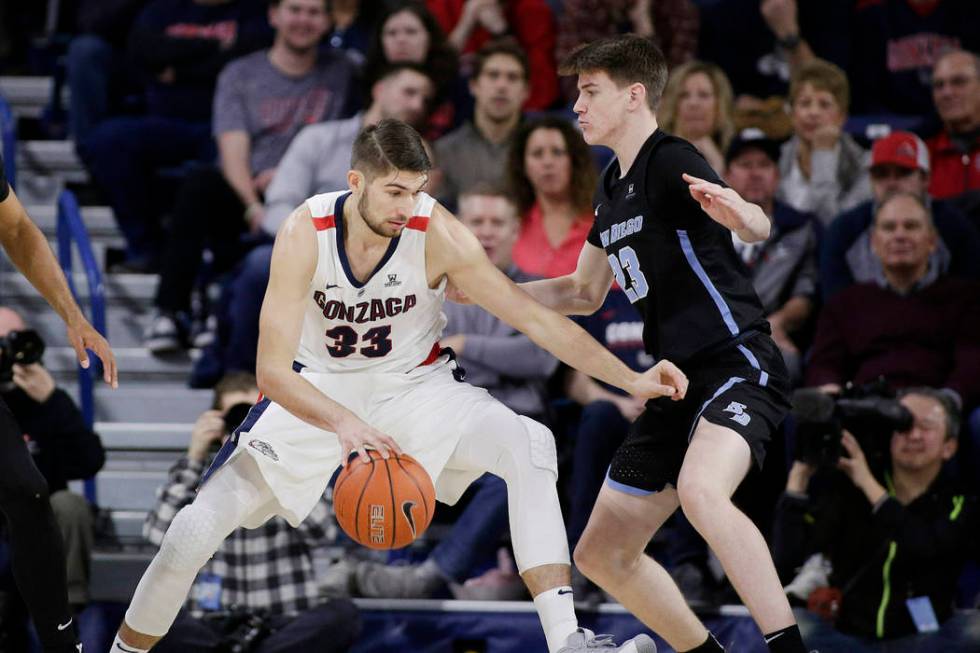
point(697, 106)
point(552, 176)
point(408, 32)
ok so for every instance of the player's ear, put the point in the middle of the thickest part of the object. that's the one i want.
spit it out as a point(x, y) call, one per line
point(355, 180)
point(637, 95)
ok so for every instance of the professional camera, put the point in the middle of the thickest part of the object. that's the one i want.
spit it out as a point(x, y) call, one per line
point(21, 348)
point(870, 412)
point(235, 415)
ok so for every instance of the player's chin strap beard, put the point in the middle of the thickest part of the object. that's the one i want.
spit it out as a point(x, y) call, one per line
point(458, 372)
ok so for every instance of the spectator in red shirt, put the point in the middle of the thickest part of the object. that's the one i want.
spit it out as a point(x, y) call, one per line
point(955, 151)
point(471, 23)
point(551, 175)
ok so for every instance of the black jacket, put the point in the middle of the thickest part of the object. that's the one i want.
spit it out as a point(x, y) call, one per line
point(63, 447)
point(882, 557)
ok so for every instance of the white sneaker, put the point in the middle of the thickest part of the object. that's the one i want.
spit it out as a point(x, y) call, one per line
point(585, 640)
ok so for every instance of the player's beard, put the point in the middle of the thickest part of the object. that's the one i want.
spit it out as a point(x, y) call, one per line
point(364, 208)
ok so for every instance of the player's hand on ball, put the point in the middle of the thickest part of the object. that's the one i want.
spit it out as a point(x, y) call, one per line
point(662, 380)
point(722, 204)
point(356, 435)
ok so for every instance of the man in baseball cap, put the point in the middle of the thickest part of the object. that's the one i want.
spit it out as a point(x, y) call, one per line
point(899, 163)
point(784, 266)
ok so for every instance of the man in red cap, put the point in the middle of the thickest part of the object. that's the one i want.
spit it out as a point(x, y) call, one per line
point(899, 163)
point(956, 149)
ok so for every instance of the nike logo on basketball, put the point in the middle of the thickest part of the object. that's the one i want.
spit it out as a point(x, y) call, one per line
point(64, 625)
point(407, 511)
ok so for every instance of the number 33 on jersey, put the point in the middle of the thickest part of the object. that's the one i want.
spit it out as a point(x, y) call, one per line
point(389, 323)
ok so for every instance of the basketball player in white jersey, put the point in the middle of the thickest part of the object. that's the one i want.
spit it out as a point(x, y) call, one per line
point(349, 359)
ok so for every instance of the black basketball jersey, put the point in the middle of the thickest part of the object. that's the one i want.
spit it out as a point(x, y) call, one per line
point(4, 185)
point(676, 264)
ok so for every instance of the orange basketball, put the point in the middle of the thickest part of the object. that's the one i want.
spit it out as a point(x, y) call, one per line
point(384, 504)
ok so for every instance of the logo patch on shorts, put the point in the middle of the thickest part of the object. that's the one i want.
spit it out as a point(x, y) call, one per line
point(264, 448)
point(738, 413)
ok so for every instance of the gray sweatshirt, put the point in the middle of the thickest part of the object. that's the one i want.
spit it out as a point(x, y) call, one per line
point(316, 162)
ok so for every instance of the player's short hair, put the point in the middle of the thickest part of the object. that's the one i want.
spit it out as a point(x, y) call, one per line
point(951, 411)
point(506, 46)
point(627, 59)
point(233, 382)
point(823, 76)
point(388, 146)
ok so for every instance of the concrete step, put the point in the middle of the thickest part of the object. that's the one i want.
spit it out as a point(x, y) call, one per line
point(98, 220)
point(128, 489)
point(29, 95)
point(169, 438)
point(51, 157)
point(127, 525)
point(116, 574)
point(149, 403)
point(124, 325)
point(126, 289)
point(134, 364)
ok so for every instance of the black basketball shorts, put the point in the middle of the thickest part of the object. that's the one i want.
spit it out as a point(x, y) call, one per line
point(744, 388)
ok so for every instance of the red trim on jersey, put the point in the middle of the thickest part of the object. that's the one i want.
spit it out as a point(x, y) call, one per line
point(261, 397)
point(418, 222)
point(326, 222)
point(433, 355)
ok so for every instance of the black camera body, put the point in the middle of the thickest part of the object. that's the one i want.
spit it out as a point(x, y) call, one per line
point(21, 348)
point(870, 412)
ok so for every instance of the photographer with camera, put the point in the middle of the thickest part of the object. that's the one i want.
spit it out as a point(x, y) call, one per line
point(258, 594)
point(896, 538)
point(62, 447)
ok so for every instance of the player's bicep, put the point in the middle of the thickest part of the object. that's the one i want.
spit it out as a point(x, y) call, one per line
point(293, 264)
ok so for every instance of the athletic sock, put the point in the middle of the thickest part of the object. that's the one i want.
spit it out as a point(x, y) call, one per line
point(787, 640)
point(118, 646)
point(556, 609)
point(710, 645)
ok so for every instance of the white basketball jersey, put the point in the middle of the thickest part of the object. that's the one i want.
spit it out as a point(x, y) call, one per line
point(390, 323)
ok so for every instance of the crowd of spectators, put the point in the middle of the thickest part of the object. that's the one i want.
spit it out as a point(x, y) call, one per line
point(854, 124)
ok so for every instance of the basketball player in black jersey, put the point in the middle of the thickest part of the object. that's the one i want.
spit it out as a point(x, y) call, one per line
point(37, 556)
point(663, 231)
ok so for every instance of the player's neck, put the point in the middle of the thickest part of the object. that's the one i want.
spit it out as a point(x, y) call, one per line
point(629, 142)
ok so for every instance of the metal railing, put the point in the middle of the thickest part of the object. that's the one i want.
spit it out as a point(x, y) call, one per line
point(71, 229)
point(8, 133)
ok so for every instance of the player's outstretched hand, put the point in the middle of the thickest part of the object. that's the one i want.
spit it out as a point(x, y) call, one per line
point(82, 336)
point(662, 380)
point(356, 435)
point(724, 205)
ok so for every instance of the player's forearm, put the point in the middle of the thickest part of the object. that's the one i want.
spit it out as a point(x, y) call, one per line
point(576, 348)
point(29, 251)
point(562, 295)
point(300, 397)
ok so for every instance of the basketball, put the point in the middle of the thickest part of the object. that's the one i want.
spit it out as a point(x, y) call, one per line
point(384, 504)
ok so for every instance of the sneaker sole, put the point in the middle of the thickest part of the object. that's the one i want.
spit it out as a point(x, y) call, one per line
point(640, 644)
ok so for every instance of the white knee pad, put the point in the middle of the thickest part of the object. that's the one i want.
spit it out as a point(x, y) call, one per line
point(191, 540)
point(537, 529)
